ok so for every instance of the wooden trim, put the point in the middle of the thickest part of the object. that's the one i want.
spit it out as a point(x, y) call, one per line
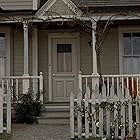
point(59, 36)
point(49, 4)
point(35, 4)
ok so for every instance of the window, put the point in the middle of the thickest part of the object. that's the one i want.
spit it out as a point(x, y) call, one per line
point(64, 58)
point(131, 55)
point(2, 54)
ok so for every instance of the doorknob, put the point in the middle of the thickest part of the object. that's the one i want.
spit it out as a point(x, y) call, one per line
point(53, 74)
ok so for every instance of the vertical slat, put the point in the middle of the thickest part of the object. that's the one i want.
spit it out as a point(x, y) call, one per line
point(108, 119)
point(8, 108)
point(117, 85)
point(100, 118)
point(72, 115)
point(1, 108)
point(132, 84)
point(115, 116)
point(138, 121)
point(93, 111)
point(129, 110)
point(107, 86)
point(87, 96)
point(127, 82)
point(41, 87)
point(80, 80)
point(17, 89)
point(122, 109)
point(79, 117)
point(86, 82)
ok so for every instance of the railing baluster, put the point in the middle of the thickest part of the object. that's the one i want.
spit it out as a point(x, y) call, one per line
point(17, 90)
point(107, 86)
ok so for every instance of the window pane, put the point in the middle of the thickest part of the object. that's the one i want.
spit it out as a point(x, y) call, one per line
point(136, 43)
point(64, 58)
point(127, 44)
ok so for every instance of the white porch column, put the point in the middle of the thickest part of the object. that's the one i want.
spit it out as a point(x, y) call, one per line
point(35, 58)
point(95, 80)
point(94, 71)
point(26, 47)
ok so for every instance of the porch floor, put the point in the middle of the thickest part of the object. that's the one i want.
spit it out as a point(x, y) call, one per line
point(40, 132)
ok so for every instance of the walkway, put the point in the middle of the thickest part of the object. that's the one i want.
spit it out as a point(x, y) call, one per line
point(40, 132)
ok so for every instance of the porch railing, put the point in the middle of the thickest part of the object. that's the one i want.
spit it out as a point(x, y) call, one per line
point(106, 106)
point(11, 88)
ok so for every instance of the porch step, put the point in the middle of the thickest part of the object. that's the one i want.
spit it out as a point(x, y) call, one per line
point(55, 113)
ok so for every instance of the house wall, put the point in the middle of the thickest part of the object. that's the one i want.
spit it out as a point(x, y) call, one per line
point(43, 58)
point(18, 52)
point(110, 53)
point(16, 4)
point(109, 56)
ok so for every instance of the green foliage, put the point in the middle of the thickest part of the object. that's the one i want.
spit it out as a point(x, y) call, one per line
point(28, 109)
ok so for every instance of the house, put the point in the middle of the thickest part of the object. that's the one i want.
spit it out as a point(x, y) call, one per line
point(54, 37)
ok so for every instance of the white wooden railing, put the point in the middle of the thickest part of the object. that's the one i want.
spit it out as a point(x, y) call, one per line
point(106, 107)
point(11, 88)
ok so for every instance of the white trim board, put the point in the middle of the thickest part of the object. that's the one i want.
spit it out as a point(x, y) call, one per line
point(50, 3)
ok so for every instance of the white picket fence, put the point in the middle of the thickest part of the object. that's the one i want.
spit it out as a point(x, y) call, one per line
point(108, 111)
point(11, 88)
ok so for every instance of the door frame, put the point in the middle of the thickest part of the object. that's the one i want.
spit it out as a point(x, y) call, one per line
point(51, 36)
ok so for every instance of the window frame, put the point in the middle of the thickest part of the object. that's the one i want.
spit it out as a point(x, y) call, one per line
point(121, 31)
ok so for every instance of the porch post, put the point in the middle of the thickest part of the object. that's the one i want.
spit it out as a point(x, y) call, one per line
point(95, 80)
point(35, 58)
point(94, 56)
point(26, 72)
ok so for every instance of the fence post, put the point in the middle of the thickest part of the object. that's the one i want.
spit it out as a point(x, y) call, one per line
point(8, 100)
point(1, 110)
point(41, 87)
point(79, 117)
point(87, 96)
point(72, 115)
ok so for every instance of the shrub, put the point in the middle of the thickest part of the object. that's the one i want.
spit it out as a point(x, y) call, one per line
point(28, 109)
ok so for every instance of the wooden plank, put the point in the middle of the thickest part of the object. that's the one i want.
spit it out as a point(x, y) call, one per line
point(138, 120)
point(87, 96)
point(93, 111)
point(17, 89)
point(8, 107)
point(1, 110)
point(72, 115)
point(100, 118)
point(121, 97)
point(129, 111)
point(79, 117)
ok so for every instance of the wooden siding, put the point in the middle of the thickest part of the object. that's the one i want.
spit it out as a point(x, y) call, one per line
point(16, 4)
point(110, 53)
point(18, 52)
point(85, 54)
point(43, 58)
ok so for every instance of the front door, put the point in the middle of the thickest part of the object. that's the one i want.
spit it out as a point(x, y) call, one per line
point(64, 73)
